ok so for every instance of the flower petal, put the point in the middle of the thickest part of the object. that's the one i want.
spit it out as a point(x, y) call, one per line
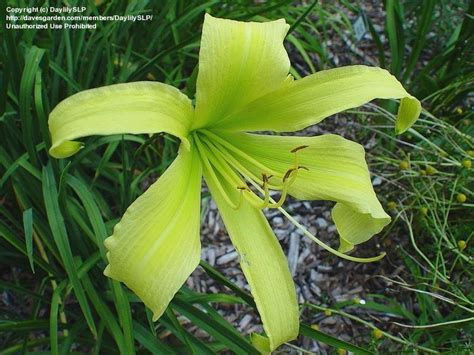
point(238, 62)
point(337, 171)
point(140, 107)
point(263, 263)
point(307, 101)
point(156, 246)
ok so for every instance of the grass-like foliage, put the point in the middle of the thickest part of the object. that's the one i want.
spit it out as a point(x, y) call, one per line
point(55, 214)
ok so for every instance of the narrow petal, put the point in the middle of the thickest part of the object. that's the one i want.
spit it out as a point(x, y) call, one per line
point(156, 246)
point(307, 101)
point(140, 107)
point(337, 171)
point(264, 265)
point(238, 62)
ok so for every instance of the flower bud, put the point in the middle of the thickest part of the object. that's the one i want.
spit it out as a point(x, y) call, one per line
point(462, 244)
point(404, 165)
point(424, 211)
point(430, 170)
point(467, 164)
point(461, 198)
point(377, 333)
point(392, 205)
point(327, 313)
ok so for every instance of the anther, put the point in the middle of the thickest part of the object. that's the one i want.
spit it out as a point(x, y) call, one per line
point(299, 148)
point(266, 198)
point(241, 196)
point(288, 173)
point(295, 152)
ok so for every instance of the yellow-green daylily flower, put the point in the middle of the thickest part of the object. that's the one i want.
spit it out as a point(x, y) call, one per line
point(243, 86)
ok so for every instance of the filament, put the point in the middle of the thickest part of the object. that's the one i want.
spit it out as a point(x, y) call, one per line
point(217, 154)
point(239, 152)
point(212, 174)
point(241, 168)
point(232, 178)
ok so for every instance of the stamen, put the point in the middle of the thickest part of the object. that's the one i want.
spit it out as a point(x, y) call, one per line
point(266, 192)
point(295, 151)
point(287, 182)
point(281, 201)
point(225, 169)
point(299, 148)
point(212, 174)
point(220, 151)
point(239, 152)
point(220, 154)
point(288, 173)
point(241, 195)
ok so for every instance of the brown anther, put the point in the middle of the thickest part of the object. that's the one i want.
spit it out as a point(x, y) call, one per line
point(243, 188)
point(299, 148)
point(303, 167)
point(288, 173)
point(265, 179)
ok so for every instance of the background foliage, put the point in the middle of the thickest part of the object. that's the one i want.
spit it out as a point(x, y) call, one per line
point(55, 214)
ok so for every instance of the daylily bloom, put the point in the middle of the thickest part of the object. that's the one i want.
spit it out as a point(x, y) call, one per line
point(243, 86)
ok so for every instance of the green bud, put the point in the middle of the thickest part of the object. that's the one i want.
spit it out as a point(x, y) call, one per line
point(430, 170)
point(461, 198)
point(377, 333)
point(392, 205)
point(467, 164)
point(404, 165)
